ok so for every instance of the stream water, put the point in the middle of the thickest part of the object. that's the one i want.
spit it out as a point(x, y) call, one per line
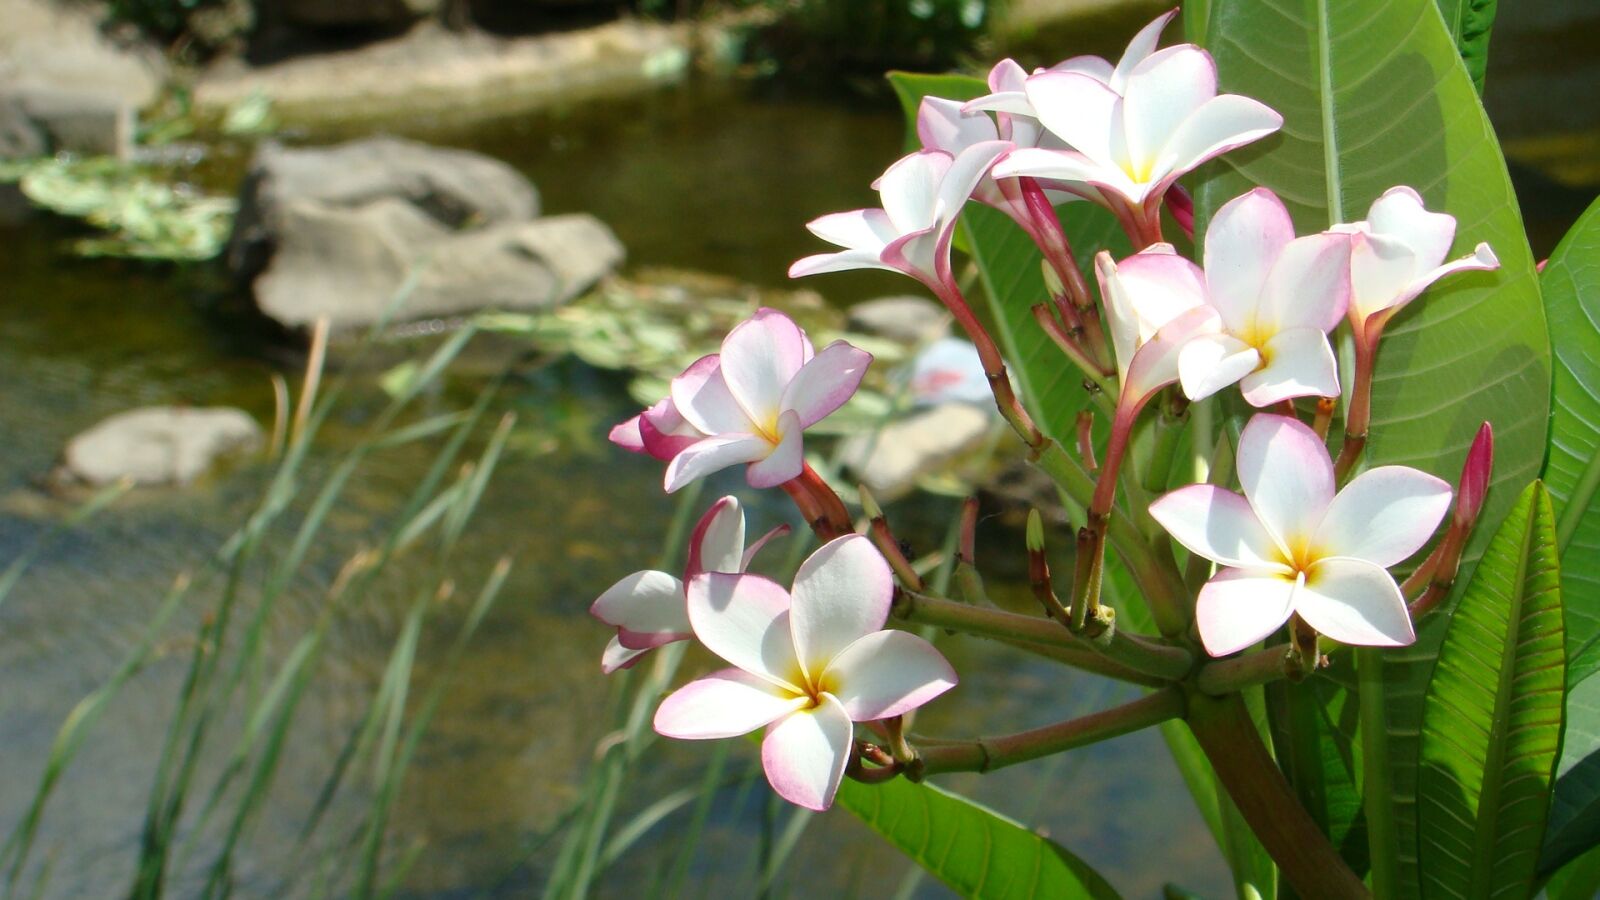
point(706, 177)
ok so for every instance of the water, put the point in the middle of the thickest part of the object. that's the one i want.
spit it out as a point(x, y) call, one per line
point(706, 177)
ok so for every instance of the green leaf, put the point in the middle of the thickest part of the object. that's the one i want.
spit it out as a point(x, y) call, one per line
point(1314, 738)
point(1491, 723)
point(1468, 22)
point(977, 852)
point(1373, 95)
point(1575, 808)
point(1577, 880)
point(1571, 285)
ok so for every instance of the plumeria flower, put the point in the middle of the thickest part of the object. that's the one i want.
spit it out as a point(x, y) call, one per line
point(922, 197)
point(806, 665)
point(1008, 95)
point(1397, 253)
point(749, 403)
point(1291, 546)
point(1278, 296)
point(1135, 129)
point(648, 608)
point(1155, 305)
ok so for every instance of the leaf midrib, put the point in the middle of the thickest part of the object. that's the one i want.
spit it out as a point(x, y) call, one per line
point(1486, 834)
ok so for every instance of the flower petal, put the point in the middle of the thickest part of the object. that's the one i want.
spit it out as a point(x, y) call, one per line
point(713, 454)
point(745, 620)
point(1078, 109)
point(858, 229)
point(843, 261)
point(805, 753)
point(717, 544)
point(1400, 213)
point(1382, 270)
point(1286, 475)
point(941, 125)
point(1142, 45)
point(786, 459)
point(1355, 602)
point(617, 657)
point(1155, 365)
point(826, 382)
point(1211, 362)
point(887, 673)
point(759, 357)
point(751, 551)
point(1219, 125)
point(1297, 362)
point(1242, 241)
point(664, 431)
point(1239, 607)
point(648, 605)
point(910, 189)
point(841, 593)
point(1219, 525)
point(726, 703)
point(1066, 166)
point(701, 396)
point(1383, 515)
point(1309, 285)
point(1162, 92)
point(626, 435)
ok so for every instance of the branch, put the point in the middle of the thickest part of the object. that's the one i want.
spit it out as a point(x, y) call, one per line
point(1130, 651)
point(984, 754)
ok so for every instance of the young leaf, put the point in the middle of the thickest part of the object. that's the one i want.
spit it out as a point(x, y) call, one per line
point(1571, 285)
point(1373, 95)
point(1491, 723)
point(1468, 22)
point(976, 851)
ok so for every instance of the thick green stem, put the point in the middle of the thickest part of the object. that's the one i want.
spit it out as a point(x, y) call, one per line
point(1376, 790)
point(1308, 861)
point(1159, 660)
point(985, 754)
point(1257, 667)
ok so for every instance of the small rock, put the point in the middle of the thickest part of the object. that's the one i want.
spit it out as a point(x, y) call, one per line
point(517, 266)
point(159, 444)
point(59, 46)
point(910, 319)
point(890, 462)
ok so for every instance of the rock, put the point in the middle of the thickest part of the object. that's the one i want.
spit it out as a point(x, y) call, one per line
point(159, 444)
point(41, 121)
point(454, 187)
point(456, 76)
point(350, 264)
point(60, 47)
point(908, 319)
point(903, 451)
point(390, 14)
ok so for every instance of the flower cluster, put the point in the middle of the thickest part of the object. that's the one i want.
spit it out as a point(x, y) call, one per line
point(1256, 310)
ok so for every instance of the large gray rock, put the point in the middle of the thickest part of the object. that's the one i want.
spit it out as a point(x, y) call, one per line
point(58, 46)
point(159, 444)
point(37, 121)
point(458, 188)
point(351, 264)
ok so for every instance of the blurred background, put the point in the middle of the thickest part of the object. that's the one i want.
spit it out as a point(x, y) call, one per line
point(518, 217)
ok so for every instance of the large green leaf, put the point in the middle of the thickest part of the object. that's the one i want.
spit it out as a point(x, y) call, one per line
point(1468, 22)
point(977, 852)
point(1571, 284)
point(1575, 808)
point(1314, 731)
point(1491, 723)
point(1373, 95)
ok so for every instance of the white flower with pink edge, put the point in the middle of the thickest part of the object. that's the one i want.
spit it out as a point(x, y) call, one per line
point(806, 666)
point(1291, 545)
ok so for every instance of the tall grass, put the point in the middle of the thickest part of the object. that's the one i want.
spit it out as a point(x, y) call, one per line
point(237, 703)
